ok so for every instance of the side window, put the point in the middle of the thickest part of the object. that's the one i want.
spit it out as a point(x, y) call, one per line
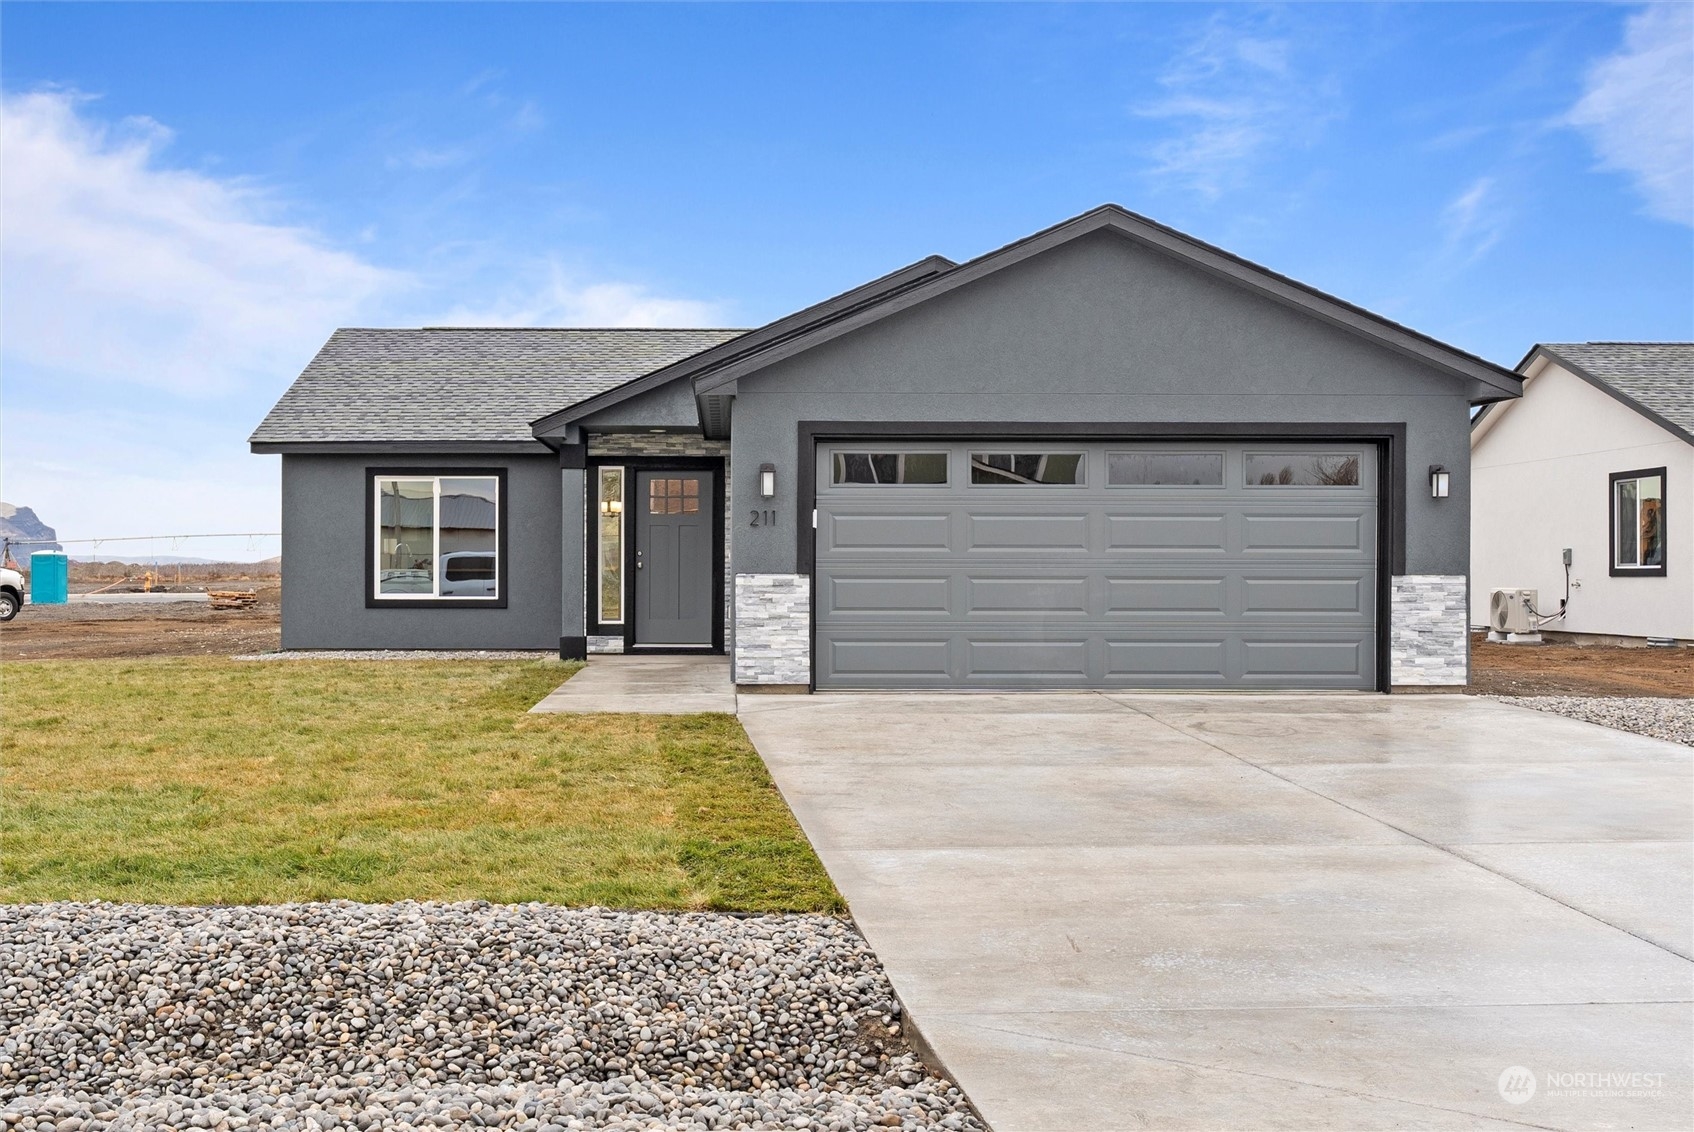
point(436, 537)
point(1302, 469)
point(1026, 468)
point(889, 468)
point(1638, 523)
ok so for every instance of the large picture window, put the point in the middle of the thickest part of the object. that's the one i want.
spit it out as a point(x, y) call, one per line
point(1638, 523)
point(436, 537)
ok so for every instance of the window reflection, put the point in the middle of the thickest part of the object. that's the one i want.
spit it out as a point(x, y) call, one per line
point(1302, 469)
point(437, 536)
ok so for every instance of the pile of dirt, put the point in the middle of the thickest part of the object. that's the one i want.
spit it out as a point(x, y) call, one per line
point(1579, 670)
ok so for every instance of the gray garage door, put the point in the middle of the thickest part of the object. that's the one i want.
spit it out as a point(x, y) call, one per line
point(1051, 565)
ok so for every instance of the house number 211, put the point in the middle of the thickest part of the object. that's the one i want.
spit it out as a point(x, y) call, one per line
point(763, 519)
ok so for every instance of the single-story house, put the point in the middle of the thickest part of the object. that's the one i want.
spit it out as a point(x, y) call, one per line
point(1583, 490)
point(1105, 456)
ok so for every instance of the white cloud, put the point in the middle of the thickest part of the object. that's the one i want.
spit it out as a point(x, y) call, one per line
point(1473, 222)
point(562, 299)
point(1233, 94)
point(119, 268)
point(1637, 109)
point(175, 303)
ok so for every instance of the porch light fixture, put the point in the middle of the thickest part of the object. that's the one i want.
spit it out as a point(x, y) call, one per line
point(611, 507)
point(1439, 481)
point(767, 481)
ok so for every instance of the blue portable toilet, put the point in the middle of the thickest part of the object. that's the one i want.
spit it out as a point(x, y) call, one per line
point(49, 577)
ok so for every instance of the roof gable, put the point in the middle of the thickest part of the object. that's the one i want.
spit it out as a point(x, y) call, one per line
point(751, 344)
point(1655, 379)
point(1485, 381)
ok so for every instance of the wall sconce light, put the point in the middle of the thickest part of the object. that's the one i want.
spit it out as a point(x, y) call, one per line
point(611, 507)
point(1440, 480)
point(767, 481)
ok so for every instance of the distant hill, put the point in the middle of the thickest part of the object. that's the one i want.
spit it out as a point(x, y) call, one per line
point(21, 523)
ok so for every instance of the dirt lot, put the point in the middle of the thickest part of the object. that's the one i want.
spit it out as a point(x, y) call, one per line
point(1580, 670)
point(88, 632)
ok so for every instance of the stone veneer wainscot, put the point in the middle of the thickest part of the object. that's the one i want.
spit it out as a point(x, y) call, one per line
point(1429, 642)
point(773, 629)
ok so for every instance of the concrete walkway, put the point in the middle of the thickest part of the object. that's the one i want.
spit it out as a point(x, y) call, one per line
point(1243, 912)
point(654, 685)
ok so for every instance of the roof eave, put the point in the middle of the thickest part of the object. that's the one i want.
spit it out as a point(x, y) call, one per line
point(398, 447)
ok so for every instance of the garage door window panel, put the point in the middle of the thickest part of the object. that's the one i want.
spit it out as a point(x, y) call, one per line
point(883, 469)
point(1026, 469)
point(1302, 469)
point(1164, 469)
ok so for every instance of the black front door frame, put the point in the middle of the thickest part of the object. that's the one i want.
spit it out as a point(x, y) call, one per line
point(631, 465)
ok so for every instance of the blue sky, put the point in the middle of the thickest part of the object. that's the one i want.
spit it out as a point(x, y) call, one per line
point(194, 196)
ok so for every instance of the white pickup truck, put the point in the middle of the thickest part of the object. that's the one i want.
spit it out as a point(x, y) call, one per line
point(11, 594)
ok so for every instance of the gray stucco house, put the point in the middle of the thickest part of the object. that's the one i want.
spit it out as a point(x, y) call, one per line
point(1107, 455)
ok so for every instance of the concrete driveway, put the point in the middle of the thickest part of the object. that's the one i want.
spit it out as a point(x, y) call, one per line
point(1244, 912)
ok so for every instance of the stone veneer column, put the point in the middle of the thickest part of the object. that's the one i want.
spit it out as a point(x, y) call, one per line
point(1429, 626)
point(773, 630)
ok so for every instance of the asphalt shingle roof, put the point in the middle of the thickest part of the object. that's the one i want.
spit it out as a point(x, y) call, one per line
point(1658, 376)
point(460, 384)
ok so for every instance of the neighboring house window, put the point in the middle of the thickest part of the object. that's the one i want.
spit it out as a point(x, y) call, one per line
point(1638, 523)
point(436, 537)
point(611, 545)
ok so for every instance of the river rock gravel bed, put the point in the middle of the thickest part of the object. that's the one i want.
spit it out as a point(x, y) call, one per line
point(1652, 716)
point(416, 1015)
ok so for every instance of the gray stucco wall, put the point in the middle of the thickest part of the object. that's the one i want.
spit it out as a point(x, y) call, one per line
point(1103, 330)
point(325, 544)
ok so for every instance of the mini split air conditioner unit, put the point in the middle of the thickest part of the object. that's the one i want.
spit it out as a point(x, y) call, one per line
point(1512, 611)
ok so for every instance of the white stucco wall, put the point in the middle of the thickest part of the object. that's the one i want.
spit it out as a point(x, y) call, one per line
point(1539, 483)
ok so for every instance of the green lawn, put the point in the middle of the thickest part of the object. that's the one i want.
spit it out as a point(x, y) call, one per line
point(217, 781)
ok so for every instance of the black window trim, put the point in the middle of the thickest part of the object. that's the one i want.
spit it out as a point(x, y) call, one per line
point(502, 563)
point(1616, 571)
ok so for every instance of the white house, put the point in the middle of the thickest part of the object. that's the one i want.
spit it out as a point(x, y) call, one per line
point(1596, 459)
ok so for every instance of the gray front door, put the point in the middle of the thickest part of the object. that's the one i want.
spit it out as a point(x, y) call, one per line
point(674, 574)
point(1053, 564)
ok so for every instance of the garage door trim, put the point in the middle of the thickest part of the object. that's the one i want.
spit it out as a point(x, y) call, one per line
point(1389, 438)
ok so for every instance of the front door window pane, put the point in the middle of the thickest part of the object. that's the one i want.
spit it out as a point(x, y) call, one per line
point(611, 545)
